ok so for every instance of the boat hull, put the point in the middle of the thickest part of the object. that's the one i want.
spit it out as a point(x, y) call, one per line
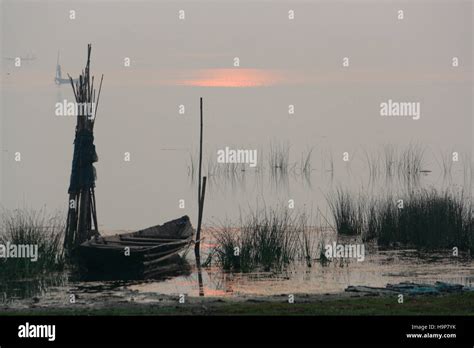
point(136, 254)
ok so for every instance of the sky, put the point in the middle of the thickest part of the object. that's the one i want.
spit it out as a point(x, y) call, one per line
point(174, 62)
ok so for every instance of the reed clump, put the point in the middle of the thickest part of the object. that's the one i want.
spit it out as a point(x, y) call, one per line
point(279, 158)
point(347, 212)
point(426, 219)
point(267, 240)
point(35, 228)
point(305, 162)
point(411, 160)
point(421, 218)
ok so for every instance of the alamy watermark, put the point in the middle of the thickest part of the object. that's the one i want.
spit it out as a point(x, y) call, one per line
point(228, 155)
point(26, 251)
point(66, 108)
point(37, 331)
point(401, 109)
point(335, 250)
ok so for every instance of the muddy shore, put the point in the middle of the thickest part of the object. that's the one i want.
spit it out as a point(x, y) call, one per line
point(345, 303)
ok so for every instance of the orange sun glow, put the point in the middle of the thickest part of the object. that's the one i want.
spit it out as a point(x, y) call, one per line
point(232, 78)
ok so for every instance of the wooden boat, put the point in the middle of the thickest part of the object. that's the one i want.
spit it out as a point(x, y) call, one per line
point(123, 256)
point(136, 254)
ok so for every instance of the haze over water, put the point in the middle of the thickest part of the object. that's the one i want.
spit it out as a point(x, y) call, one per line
point(174, 62)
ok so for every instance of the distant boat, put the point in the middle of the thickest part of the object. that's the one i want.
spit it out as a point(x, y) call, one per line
point(59, 80)
point(136, 254)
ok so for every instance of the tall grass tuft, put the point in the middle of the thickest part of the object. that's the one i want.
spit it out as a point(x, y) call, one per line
point(347, 212)
point(445, 163)
point(391, 160)
point(279, 157)
point(32, 227)
point(421, 218)
point(411, 161)
point(305, 163)
point(267, 240)
point(429, 219)
point(307, 241)
point(372, 164)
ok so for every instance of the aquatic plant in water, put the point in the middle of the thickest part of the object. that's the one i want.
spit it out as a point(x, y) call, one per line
point(267, 240)
point(31, 230)
point(347, 212)
point(420, 218)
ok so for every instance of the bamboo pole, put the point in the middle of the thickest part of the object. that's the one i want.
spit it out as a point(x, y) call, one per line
point(197, 246)
point(201, 193)
point(201, 208)
point(200, 155)
point(94, 211)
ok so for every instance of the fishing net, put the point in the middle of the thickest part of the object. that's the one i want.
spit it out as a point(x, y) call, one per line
point(83, 172)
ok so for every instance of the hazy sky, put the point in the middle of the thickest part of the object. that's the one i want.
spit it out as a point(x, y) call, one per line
point(174, 62)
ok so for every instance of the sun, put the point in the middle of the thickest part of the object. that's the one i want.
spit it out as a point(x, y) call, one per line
point(232, 78)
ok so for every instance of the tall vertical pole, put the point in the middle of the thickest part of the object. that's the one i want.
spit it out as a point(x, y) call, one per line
point(200, 194)
point(200, 155)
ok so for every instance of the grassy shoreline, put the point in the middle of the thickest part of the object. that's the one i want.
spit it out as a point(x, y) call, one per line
point(329, 304)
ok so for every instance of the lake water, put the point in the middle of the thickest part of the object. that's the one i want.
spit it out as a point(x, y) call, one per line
point(378, 269)
point(282, 63)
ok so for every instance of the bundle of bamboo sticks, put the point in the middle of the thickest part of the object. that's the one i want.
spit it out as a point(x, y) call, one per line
point(82, 205)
